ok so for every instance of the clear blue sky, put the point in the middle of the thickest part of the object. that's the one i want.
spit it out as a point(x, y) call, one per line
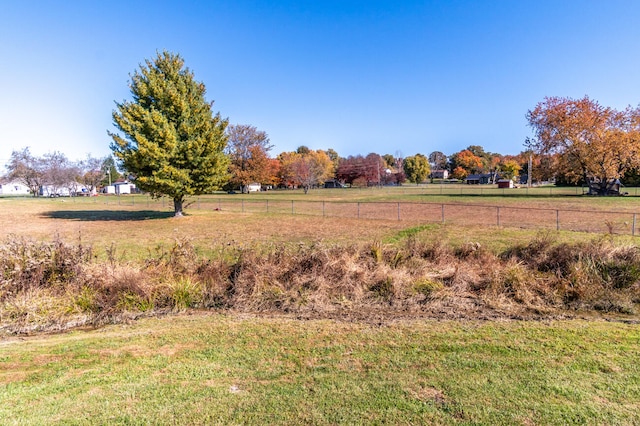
point(356, 76)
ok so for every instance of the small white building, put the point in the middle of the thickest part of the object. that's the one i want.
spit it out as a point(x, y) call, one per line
point(124, 188)
point(254, 187)
point(14, 188)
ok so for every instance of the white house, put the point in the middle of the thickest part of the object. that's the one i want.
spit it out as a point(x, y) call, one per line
point(124, 188)
point(14, 188)
point(254, 187)
point(72, 189)
point(440, 174)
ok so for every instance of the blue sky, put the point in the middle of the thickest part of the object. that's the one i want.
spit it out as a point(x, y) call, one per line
point(356, 76)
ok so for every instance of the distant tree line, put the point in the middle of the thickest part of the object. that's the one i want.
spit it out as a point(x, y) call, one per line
point(56, 172)
point(171, 143)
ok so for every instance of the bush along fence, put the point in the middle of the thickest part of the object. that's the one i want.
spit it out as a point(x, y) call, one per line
point(595, 221)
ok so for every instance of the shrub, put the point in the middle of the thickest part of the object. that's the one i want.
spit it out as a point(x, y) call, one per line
point(427, 287)
point(183, 293)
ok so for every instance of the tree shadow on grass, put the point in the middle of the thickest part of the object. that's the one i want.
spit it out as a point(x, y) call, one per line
point(108, 215)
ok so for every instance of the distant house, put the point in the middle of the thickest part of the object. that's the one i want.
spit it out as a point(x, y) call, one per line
point(333, 183)
point(440, 174)
point(481, 179)
point(124, 188)
point(54, 191)
point(14, 188)
point(254, 187)
point(611, 187)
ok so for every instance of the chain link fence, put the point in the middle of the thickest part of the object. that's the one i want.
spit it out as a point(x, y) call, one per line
point(595, 221)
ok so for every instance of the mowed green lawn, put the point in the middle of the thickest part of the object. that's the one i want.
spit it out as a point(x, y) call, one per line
point(215, 369)
point(210, 368)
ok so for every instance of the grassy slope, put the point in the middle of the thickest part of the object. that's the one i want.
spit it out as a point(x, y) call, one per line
point(202, 369)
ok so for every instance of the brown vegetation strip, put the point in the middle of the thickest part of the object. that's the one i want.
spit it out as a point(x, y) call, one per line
point(53, 286)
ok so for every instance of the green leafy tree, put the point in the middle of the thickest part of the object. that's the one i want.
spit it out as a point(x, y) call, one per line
point(510, 169)
point(334, 157)
point(416, 168)
point(110, 171)
point(173, 145)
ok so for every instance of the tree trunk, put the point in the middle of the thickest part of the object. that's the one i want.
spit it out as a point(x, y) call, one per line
point(177, 207)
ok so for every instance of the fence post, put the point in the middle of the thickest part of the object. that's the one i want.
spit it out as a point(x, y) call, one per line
point(633, 229)
point(292, 207)
point(498, 215)
point(398, 211)
point(442, 213)
point(267, 205)
point(322, 208)
point(243, 205)
point(557, 220)
point(358, 209)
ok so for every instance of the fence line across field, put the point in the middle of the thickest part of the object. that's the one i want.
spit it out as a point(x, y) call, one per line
point(464, 214)
point(595, 221)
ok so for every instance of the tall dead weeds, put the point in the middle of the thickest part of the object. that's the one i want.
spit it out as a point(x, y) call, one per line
point(428, 278)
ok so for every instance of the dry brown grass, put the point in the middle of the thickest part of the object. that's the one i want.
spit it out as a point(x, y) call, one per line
point(48, 286)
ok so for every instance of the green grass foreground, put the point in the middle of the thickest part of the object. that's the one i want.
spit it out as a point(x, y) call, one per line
point(216, 369)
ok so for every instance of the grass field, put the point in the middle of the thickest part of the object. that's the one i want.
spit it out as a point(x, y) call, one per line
point(212, 369)
point(191, 366)
point(137, 225)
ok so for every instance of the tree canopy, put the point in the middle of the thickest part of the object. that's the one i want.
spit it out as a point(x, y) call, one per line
point(170, 141)
point(248, 150)
point(416, 168)
point(27, 169)
point(594, 143)
point(465, 162)
point(305, 168)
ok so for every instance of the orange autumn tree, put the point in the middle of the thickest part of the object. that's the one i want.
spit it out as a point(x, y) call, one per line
point(464, 163)
point(248, 150)
point(593, 143)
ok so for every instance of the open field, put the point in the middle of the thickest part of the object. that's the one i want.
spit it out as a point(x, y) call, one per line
point(212, 369)
point(278, 318)
point(281, 216)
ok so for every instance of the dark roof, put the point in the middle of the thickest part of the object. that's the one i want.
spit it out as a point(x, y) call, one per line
point(480, 176)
